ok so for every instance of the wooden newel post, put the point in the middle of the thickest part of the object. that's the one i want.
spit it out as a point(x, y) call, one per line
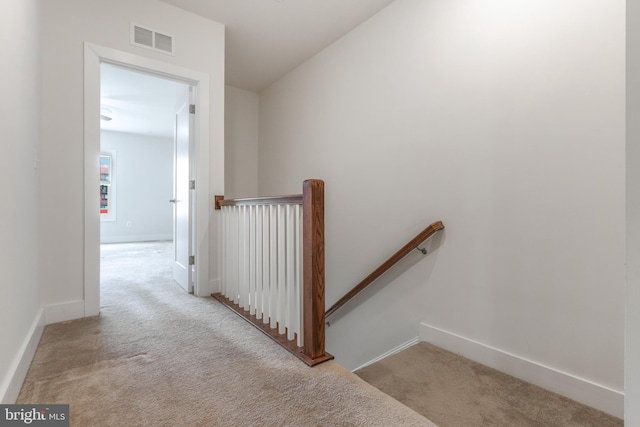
point(313, 268)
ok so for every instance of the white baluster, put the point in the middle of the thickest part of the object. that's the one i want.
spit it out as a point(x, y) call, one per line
point(238, 243)
point(258, 262)
point(223, 253)
point(282, 269)
point(244, 258)
point(265, 264)
point(273, 265)
point(223, 247)
point(290, 305)
point(252, 259)
point(262, 264)
point(234, 254)
point(299, 294)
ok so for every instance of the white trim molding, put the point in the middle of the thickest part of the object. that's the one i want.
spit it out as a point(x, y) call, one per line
point(579, 389)
point(214, 286)
point(137, 238)
point(10, 388)
point(398, 349)
point(56, 313)
point(93, 56)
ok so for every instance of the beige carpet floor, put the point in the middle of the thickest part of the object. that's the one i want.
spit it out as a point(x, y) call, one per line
point(453, 391)
point(160, 357)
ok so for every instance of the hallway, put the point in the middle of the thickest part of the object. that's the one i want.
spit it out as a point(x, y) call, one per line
point(159, 356)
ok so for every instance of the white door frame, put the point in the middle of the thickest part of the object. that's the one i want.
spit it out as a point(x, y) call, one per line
point(93, 56)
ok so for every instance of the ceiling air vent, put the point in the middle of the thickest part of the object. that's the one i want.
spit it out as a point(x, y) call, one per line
point(150, 39)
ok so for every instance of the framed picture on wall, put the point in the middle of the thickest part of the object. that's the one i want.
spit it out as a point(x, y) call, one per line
point(105, 183)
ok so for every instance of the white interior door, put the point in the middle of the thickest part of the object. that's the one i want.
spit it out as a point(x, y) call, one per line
point(182, 270)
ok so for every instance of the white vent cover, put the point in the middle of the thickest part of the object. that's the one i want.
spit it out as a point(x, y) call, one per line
point(150, 39)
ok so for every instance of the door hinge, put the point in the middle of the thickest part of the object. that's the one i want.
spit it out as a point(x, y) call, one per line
point(192, 184)
point(192, 108)
point(192, 260)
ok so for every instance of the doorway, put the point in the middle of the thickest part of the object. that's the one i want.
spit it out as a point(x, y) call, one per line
point(145, 163)
point(93, 57)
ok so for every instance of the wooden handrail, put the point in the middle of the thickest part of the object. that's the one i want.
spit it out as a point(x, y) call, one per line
point(404, 251)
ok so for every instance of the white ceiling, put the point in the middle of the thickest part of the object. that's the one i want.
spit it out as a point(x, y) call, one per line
point(265, 39)
point(139, 103)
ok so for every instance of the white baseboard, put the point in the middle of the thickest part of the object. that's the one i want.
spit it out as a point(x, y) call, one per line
point(579, 389)
point(136, 238)
point(65, 311)
point(10, 388)
point(391, 352)
point(214, 286)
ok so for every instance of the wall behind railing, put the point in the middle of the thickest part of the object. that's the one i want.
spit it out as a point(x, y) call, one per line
point(504, 121)
point(241, 143)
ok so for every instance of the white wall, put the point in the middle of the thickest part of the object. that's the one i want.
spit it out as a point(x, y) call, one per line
point(503, 119)
point(632, 341)
point(241, 143)
point(20, 300)
point(143, 184)
point(66, 25)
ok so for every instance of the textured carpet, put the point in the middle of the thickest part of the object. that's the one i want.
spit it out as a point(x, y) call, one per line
point(160, 357)
point(453, 391)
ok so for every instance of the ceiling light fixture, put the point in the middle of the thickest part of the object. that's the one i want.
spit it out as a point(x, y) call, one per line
point(105, 114)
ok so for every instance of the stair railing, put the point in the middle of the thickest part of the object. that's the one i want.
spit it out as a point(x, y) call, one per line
point(273, 267)
point(413, 244)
